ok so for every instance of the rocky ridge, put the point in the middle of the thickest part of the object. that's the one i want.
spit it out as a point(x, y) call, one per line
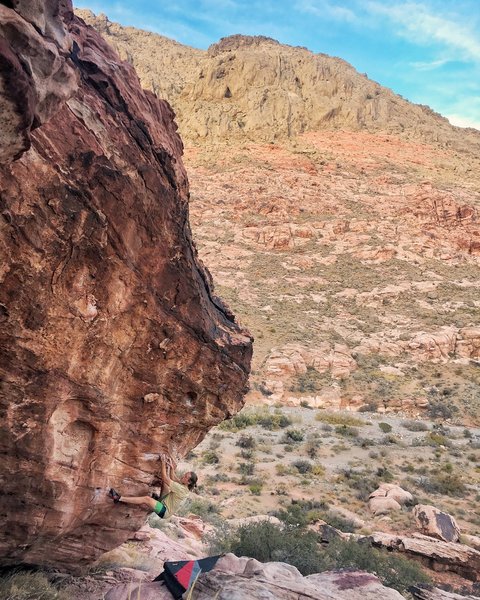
point(114, 345)
point(254, 88)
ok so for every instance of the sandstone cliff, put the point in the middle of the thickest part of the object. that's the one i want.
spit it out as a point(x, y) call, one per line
point(254, 88)
point(113, 345)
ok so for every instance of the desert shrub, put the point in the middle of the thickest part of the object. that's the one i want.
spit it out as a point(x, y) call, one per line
point(274, 421)
point(311, 449)
point(302, 466)
point(339, 419)
point(256, 488)
point(265, 419)
point(384, 475)
point(393, 571)
point(370, 407)
point(318, 470)
point(385, 427)
point(437, 439)
point(217, 477)
point(281, 490)
point(26, 585)
point(282, 469)
point(299, 513)
point(364, 482)
point(264, 390)
point(447, 484)
point(239, 421)
point(246, 469)
point(339, 522)
point(246, 441)
point(412, 425)
point(439, 408)
point(202, 507)
point(305, 404)
point(266, 542)
point(247, 454)
point(347, 431)
point(390, 438)
point(210, 457)
point(292, 435)
point(310, 381)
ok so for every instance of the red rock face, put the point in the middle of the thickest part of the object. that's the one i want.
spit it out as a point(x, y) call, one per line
point(113, 347)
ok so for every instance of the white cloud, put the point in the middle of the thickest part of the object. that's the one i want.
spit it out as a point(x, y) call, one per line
point(429, 66)
point(326, 9)
point(421, 26)
point(462, 121)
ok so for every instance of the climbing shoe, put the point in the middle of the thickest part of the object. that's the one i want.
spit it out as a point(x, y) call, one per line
point(114, 495)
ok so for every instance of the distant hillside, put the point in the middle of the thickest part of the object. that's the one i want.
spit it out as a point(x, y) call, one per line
point(260, 90)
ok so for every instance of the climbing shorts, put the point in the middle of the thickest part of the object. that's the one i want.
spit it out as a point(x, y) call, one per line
point(160, 509)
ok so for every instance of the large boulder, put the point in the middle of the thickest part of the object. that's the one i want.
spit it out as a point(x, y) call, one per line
point(388, 497)
point(381, 505)
point(114, 347)
point(35, 73)
point(245, 578)
point(435, 554)
point(436, 523)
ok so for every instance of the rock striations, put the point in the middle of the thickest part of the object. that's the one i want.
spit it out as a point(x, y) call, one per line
point(113, 345)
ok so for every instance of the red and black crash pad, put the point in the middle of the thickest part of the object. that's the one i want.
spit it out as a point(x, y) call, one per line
point(180, 575)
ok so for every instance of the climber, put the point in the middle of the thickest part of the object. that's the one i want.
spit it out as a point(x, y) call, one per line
point(174, 491)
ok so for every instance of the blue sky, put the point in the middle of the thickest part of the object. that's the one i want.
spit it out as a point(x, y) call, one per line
point(427, 50)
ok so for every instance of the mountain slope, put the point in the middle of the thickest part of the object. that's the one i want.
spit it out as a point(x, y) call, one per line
point(257, 89)
point(352, 250)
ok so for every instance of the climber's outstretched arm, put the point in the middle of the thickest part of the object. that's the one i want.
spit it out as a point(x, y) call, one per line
point(166, 480)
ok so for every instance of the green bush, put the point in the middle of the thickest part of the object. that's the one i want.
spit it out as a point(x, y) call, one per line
point(292, 435)
point(239, 421)
point(440, 408)
point(370, 407)
point(437, 439)
point(275, 421)
point(412, 425)
point(302, 466)
point(246, 469)
point(448, 484)
point(247, 454)
point(263, 417)
point(310, 381)
point(204, 508)
point(246, 441)
point(339, 419)
point(385, 427)
point(256, 488)
point(210, 457)
point(292, 544)
point(24, 585)
point(347, 431)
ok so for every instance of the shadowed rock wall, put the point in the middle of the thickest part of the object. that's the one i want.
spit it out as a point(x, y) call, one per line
point(113, 347)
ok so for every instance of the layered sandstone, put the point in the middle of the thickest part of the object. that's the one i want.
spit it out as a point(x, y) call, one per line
point(114, 346)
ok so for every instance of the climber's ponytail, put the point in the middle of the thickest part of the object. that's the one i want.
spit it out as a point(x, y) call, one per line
point(192, 481)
